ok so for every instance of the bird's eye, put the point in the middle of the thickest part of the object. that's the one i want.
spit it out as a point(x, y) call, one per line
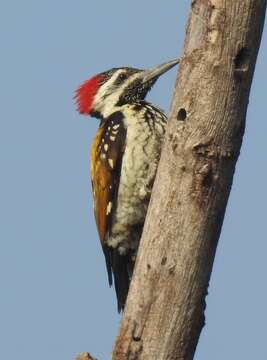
point(122, 77)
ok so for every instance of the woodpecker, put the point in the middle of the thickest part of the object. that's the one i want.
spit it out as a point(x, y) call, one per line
point(124, 159)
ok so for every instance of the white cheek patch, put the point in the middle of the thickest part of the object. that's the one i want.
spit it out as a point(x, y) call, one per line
point(105, 90)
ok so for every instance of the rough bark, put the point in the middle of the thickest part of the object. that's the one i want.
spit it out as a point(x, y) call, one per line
point(164, 313)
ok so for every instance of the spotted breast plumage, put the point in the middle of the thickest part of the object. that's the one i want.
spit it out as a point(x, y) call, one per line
point(124, 158)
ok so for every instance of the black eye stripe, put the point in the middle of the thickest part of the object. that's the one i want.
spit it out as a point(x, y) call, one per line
point(122, 76)
point(121, 79)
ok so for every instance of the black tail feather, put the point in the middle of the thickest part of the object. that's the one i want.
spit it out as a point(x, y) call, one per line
point(121, 267)
point(108, 258)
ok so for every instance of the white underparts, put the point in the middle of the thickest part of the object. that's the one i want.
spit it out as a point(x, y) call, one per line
point(139, 164)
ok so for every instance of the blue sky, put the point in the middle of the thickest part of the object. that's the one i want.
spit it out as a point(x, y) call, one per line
point(55, 300)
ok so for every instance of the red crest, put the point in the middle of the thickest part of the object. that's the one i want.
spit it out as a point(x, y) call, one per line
point(85, 94)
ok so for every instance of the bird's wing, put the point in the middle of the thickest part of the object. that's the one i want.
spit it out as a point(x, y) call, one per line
point(106, 157)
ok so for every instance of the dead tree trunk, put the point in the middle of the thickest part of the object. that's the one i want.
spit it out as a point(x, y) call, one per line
point(164, 314)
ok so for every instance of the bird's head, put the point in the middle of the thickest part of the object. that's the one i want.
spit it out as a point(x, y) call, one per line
point(99, 95)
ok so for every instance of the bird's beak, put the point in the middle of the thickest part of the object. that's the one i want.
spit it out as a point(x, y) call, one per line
point(155, 72)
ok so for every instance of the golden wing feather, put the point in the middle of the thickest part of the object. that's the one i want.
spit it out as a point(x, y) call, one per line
point(106, 156)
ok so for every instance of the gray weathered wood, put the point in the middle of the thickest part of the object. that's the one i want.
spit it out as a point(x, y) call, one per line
point(164, 314)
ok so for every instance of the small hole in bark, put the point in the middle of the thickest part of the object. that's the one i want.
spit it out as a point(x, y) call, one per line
point(163, 260)
point(181, 116)
point(242, 59)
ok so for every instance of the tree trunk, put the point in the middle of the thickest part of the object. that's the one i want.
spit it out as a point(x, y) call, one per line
point(164, 313)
